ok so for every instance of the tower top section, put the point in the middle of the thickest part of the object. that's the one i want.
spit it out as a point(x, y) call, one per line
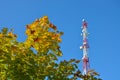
point(84, 23)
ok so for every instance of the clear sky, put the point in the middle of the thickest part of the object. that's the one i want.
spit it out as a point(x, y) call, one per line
point(103, 17)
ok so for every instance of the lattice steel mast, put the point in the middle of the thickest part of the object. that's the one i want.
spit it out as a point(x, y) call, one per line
point(85, 47)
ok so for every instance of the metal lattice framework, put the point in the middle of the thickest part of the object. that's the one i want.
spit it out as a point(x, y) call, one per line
point(85, 47)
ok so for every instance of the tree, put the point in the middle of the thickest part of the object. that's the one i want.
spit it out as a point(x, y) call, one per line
point(36, 57)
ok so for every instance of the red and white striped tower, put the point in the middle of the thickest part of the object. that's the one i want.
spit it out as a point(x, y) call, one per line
point(85, 47)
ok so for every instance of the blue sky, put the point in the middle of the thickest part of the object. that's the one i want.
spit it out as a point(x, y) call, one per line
point(103, 17)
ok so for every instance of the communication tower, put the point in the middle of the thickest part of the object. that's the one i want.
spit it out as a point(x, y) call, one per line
point(85, 47)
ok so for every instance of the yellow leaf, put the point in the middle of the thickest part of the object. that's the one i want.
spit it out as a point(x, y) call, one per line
point(1, 35)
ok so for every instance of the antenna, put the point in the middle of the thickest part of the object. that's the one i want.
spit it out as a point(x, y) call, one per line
point(85, 47)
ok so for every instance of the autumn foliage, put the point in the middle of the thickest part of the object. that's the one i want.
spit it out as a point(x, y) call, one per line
point(37, 57)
